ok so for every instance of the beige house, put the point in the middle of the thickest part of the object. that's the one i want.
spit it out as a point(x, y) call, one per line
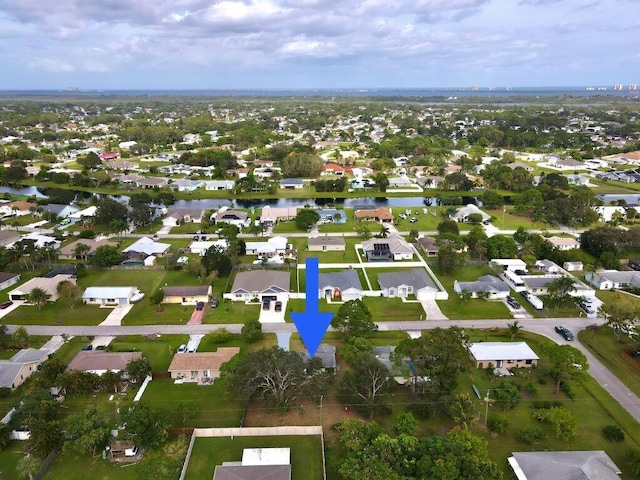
point(187, 295)
point(49, 285)
point(15, 371)
point(503, 355)
point(68, 252)
point(99, 362)
point(200, 367)
point(326, 244)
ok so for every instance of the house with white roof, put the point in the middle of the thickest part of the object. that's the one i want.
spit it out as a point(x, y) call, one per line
point(39, 241)
point(488, 285)
point(462, 214)
point(201, 247)
point(88, 212)
point(612, 279)
point(219, 185)
point(503, 355)
point(105, 296)
point(271, 247)
point(569, 465)
point(147, 246)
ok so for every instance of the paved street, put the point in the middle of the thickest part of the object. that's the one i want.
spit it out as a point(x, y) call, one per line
point(542, 326)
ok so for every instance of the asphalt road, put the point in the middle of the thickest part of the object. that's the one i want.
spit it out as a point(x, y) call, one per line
point(542, 326)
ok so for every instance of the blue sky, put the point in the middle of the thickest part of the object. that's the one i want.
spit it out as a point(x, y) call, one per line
point(190, 44)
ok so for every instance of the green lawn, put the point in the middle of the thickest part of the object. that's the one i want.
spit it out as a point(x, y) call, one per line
point(9, 458)
point(456, 309)
point(57, 313)
point(211, 405)
point(347, 256)
point(509, 220)
point(158, 349)
point(603, 344)
point(306, 454)
point(382, 309)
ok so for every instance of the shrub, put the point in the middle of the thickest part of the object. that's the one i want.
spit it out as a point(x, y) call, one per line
point(567, 390)
point(542, 381)
point(542, 404)
point(497, 424)
point(221, 335)
point(87, 234)
point(530, 389)
point(613, 433)
point(530, 435)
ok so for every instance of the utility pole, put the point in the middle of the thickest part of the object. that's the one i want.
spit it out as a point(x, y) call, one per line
point(321, 413)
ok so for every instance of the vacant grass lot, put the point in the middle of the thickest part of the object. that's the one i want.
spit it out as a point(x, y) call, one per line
point(509, 220)
point(211, 405)
point(306, 454)
point(347, 256)
point(603, 343)
point(158, 349)
point(57, 313)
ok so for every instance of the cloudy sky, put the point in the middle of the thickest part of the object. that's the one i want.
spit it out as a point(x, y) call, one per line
point(191, 44)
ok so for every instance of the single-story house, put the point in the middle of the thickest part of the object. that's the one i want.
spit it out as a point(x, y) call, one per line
point(610, 279)
point(573, 266)
point(634, 264)
point(326, 353)
point(332, 215)
point(332, 169)
point(185, 185)
point(292, 183)
point(548, 266)
point(234, 217)
point(257, 464)
point(343, 285)
point(539, 285)
point(503, 355)
point(487, 284)
point(578, 465)
point(509, 264)
point(110, 295)
point(410, 282)
point(48, 284)
point(381, 214)
point(61, 211)
point(147, 246)
point(201, 247)
point(178, 216)
point(400, 372)
point(525, 166)
point(187, 295)
point(7, 279)
point(88, 212)
point(68, 251)
point(219, 185)
point(430, 181)
point(563, 243)
point(428, 246)
point(400, 182)
point(271, 247)
point(99, 362)
point(151, 182)
point(261, 284)
point(272, 215)
point(394, 247)
point(14, 371)
point(203, 367)
point(39, 241)
point(8, 237)
point(326, 244)
point(20, 208)
point(462, 214)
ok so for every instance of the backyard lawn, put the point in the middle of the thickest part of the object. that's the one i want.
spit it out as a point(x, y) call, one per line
point(508, 220)
point(382, 309)
point(347, 256)
point(212, 407)
point(158, 349)
point(306, 454)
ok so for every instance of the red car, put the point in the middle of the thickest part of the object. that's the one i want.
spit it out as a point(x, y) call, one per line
point(5, 305)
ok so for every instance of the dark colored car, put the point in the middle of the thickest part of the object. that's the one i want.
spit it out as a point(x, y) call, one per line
point(513, 303)
point(5, 305)
point(200, 306)
point(486, 222)
point(278, 307)
point(566, 333)
point(87, 347)
point(266, 304)
point(214, 302)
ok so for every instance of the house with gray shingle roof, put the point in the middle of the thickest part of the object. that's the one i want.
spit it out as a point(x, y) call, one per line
point(343, 285)
point(492, 286)
point(326, 244)
point(575, 465)
point(15, 371)
point(261, 285)
point(410, 282)
point(392, 248)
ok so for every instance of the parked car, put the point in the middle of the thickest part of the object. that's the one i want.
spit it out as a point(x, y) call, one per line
point(182, 349)
point(266, 304)
point(566, 333)
point(413, 220)
point(203, 238)
point(513, 303)
point(486, 222)
point(87, 347)
point(214, 302)
point(5, 305)
point(278, 306)
point(200, 306)
point(586, 307)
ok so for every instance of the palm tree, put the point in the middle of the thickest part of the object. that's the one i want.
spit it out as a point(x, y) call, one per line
point(118, 225)
point(38, 297)
point(82, 251)
point(28, 466)
point(465, 295)
point(463, 411)
point(384, 232)
point(561, 287)
point(514, 328)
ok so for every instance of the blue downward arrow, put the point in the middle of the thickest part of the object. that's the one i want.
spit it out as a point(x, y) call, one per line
point(312, 324)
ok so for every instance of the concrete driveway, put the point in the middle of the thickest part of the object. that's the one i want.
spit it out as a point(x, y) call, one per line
point(271, 316)
point(116, 315)
point(11, 308)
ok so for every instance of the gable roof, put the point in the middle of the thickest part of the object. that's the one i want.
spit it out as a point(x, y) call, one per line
point(313, 241)
point(9, 369)
point(343, 280)
point(579, 465)
point(486, 283)
point(108, 292)
point(261, 281)
point(326, 353)
point(502, 351)
point(92, 243)
point(186, 291)
point(4, 276)
point(416, 277)
point(252, 472)
point(203, 360)
point(95, 360)
point(396, 244)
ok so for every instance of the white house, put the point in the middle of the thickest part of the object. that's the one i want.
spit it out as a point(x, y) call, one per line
point(271, 247)
point(462, 214)
point(201, 247)
point(111, 295)
point(503, 355)
point(394, 247)
point(563, 243)
point(219, 185)
point(39, 241)
point(610, 279)
point(88, 212)
point(488, 285)
point(147, 246)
